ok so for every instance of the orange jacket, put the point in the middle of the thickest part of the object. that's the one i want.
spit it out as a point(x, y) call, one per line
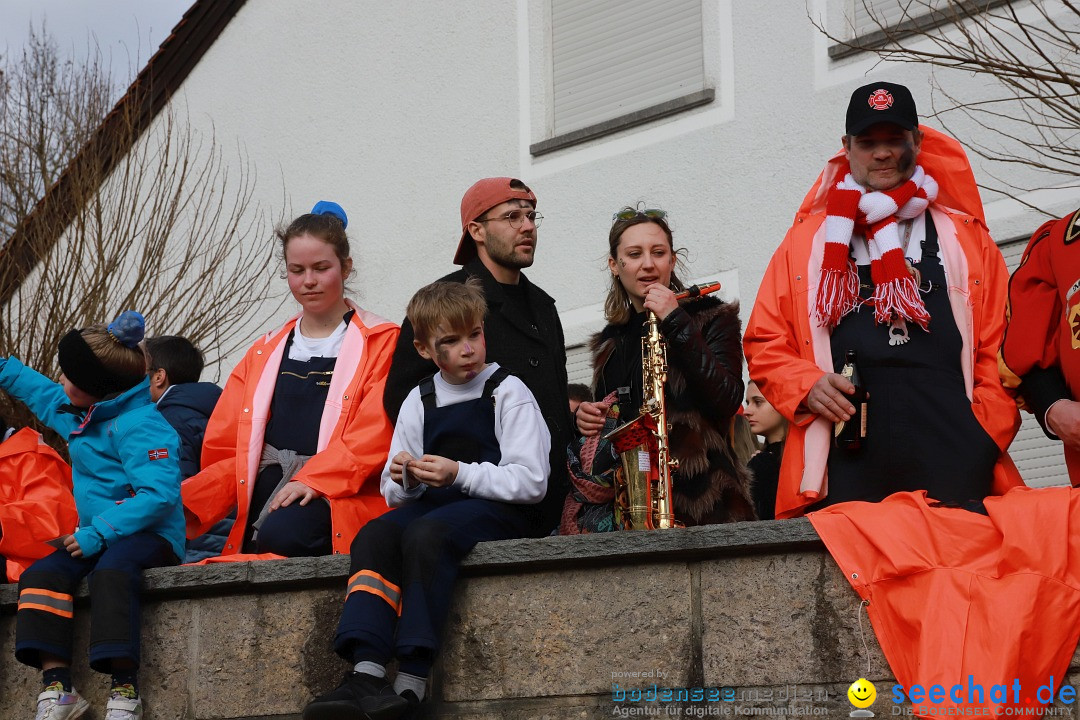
point(786, 350)
point(354, 435)
point(36, 503)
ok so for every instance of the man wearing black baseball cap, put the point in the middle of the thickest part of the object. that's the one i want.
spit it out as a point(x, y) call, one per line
point(524, 334)
point(889, 257)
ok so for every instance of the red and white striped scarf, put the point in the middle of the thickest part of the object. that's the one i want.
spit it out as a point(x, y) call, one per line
point(874, 214)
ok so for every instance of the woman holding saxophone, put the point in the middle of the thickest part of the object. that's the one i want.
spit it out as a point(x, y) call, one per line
point(703, 388)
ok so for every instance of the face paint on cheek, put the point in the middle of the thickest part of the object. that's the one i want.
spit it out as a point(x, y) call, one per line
point(906, 164)
point(442, 356)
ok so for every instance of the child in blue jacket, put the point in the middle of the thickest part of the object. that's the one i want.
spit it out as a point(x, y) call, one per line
point(126, 477)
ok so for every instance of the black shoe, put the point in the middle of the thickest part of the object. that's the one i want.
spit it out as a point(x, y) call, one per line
point(359, 697)
point(413, 713)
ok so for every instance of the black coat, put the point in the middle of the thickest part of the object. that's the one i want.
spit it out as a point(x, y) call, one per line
point(535, 353)
point(704, 390)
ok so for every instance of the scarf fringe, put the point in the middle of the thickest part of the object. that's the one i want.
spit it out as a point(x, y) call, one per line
point(838, 295)
point(899, 298)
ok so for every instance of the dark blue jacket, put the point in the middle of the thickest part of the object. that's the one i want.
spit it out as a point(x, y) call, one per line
point(187, 407)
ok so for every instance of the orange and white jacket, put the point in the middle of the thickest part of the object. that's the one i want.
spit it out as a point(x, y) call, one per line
point(36, 504)
point(787, 351)
point(354, 435)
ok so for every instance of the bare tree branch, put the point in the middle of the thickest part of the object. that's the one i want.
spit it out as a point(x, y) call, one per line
point(171, 229)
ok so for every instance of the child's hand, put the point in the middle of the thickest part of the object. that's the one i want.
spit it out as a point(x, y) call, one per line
point(72, 546)
point(397, 464)
point(590, 417)
point(434, 470)
point(292, 491)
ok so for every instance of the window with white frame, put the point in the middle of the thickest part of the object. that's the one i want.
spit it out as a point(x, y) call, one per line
point(871, 23)
point(870, 16)
point(617, 63)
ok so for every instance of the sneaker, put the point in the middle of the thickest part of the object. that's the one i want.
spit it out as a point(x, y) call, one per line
point(122, 706)
point(56, 704)
point(359, 697)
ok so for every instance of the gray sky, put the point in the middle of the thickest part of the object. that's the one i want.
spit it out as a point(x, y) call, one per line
point(128, 31)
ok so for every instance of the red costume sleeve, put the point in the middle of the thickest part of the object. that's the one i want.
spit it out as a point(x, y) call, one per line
point(1032, 343)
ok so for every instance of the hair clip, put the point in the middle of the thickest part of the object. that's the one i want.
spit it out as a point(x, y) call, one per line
point(326, 207)
point(127, 329)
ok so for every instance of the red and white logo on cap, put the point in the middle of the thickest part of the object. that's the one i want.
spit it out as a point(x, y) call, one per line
point(880, 99)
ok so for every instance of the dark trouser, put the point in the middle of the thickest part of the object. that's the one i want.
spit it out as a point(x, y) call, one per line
point(3, 570)
point(44, 622)
point(296, 531)
point(405, 563)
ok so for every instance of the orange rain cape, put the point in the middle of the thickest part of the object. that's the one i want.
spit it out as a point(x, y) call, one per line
point(958, 598)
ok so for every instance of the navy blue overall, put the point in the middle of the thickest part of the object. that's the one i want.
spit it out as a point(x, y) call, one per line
point(295, 415)
point(404, 563)
point(921, 433)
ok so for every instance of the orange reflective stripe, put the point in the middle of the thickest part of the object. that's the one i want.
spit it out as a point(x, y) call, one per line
point(46, 593)
point(46, 608)
point(47, 601)
point(376, 584)
point(376, 576)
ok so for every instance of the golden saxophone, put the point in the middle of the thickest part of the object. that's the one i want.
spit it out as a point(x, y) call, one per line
point(643, 479)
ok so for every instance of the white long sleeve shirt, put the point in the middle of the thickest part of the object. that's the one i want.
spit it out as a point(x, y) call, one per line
point(524, 442)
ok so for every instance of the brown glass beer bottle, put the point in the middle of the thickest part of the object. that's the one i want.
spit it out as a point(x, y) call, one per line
point(851, 434)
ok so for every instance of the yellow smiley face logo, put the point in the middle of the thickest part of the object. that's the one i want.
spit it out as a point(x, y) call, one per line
point(862, 693)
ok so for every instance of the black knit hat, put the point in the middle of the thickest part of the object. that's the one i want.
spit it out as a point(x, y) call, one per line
point(881, 102)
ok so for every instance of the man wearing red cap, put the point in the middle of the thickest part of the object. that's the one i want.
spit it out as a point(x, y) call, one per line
point(889, 257)
point(522, 326)
point(1040, 355)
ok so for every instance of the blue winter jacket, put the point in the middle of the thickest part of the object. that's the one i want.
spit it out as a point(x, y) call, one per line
point(124, 459)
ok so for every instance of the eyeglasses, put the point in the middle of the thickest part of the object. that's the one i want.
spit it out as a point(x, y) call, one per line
point(629, 213)
point(516, 218)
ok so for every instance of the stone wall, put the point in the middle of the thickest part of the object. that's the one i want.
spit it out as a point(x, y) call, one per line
point(540, 629)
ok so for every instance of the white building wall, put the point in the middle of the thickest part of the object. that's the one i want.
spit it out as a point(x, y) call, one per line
point(394, 108)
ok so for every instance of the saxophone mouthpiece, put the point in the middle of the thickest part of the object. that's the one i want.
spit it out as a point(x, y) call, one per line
point(706, 288)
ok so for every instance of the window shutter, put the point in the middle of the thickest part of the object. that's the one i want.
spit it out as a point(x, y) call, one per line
point(614, 57)
point(579, 364)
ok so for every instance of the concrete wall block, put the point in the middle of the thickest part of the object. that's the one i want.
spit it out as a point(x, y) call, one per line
point(168, 648)
point(280, 638)
point(784, 618)
point(566, 633)
point(19, 684)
